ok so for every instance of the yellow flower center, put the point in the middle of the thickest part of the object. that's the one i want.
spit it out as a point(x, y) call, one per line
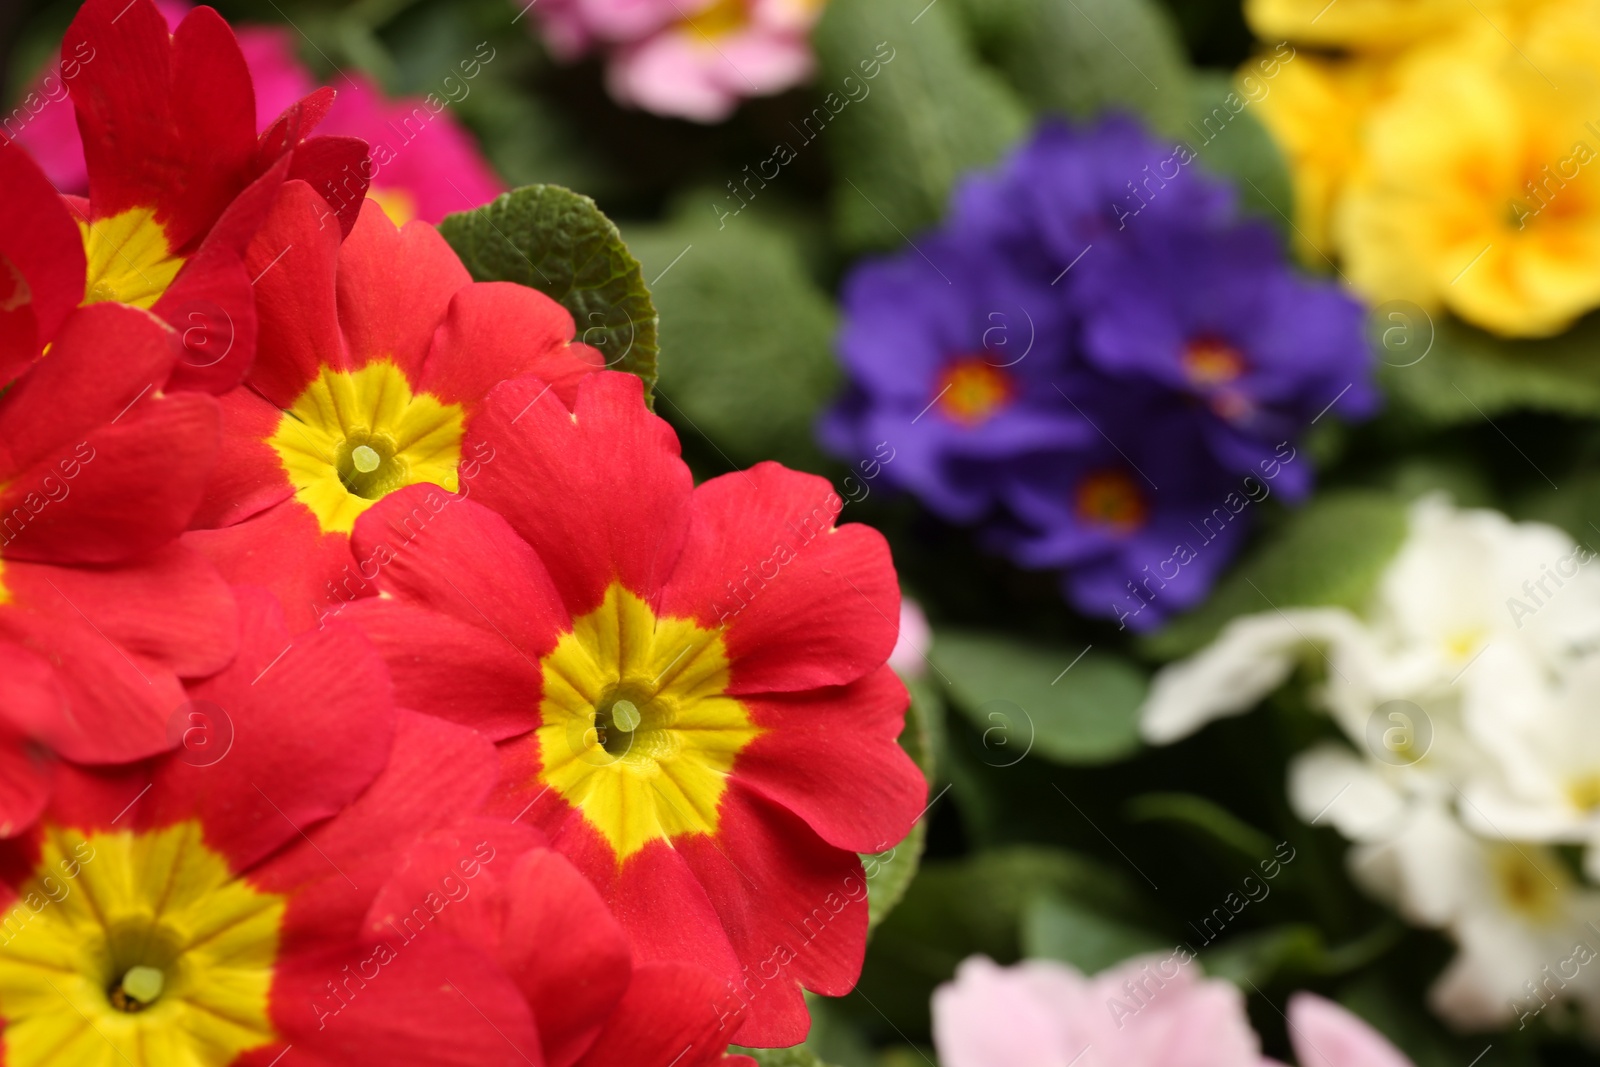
point(1584, 791)
point(136, 949)
point(129, 258)
point(1208, 361)
point(399, 205)
point(1461, 644)
point(1530, 880)
point(1111, 500)
point(972, 390)
point(636, 730)
point(719, 20)
point(352, 437)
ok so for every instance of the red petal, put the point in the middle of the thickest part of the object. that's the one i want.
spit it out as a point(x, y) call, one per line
point(25, 775)
point(454, 880)
point(488, 885)
point(105, 358)
point(149, 137)
point(212, 309)
point(136, 484)
point(248, 477)
point(283, 549)
point(805, 605)
point(499, 330)
point(293, 125)
point(438, 774)
point(100, 798)
point(655, 897)
point(170, 608)
point(40, 240)
point(244, 214)
point(672, 1014)
point(312, 720)
point(830, 756)
point(293, 260)
point(336, 167)
point(564, 951)
point(119, 637)
point(599, 492)
point(794, 907)
point(436, 1002)
point(463, 589)
point(394, 288)
point(31, 703)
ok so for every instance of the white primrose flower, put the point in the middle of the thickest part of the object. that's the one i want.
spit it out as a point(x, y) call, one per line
point(1468, 581)
point(1252, 656)
point(1524, 927)
point(1469, 688)
point(1465, 582)
point(1547, 747)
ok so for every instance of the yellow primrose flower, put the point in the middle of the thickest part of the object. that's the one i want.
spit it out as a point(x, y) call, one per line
point(1478, 189)
point(1314, 111)
point(1368, 24)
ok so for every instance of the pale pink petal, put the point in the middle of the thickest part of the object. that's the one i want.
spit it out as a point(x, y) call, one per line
point(761, 62)
point(911, 647)
point(1326, 1035)
point(1203, 1025)
point(624, 21)
point(992, 1016)
point(672, 74)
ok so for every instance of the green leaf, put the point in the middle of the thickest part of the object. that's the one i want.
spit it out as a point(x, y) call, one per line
point(928, 112)
point(1293, 952)
point(1082, 57)
point(889, 874)
point(1205, 815)
point(1235, 145)
point(834, 1038)
point(751, 337)
point(1058, 928)
point(799, 1056)
point(1575, 507)
point(1030, 698)
point(558, 242)
point(1260, 956)
point(1468, 375)
point(1329, 553)
point(924, 730)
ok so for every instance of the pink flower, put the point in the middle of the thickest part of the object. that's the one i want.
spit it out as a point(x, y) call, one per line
point(909, 658)
point(573, 27)
point(1326, 1035)
point(425, 164)
point(692, 59)
point(1151, 1011)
